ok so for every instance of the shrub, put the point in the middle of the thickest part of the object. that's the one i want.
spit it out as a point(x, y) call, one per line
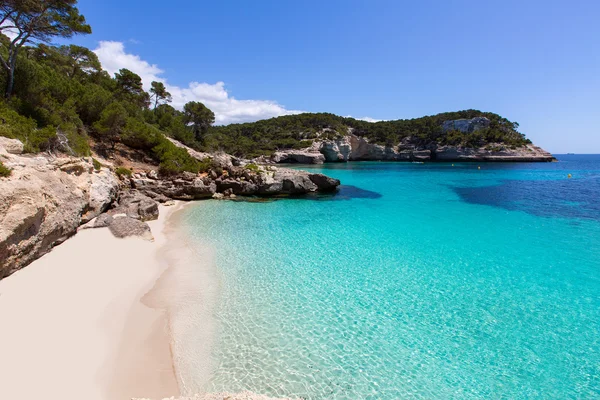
point(252, 167)
point(122, 171)
point(174, 160)
point(97, 165)
point(4, 172)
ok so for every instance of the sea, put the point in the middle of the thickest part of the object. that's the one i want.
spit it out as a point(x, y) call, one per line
point(413, 281)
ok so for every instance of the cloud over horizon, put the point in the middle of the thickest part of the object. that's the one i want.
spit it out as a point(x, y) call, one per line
point(227, 108)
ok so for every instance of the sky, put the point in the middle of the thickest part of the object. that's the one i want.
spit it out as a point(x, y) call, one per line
point(534, 62)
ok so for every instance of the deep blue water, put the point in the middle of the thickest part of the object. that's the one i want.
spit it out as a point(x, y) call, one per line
point(427, 281)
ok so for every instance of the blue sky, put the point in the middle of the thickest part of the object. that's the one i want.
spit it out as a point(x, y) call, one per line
point(535, 62)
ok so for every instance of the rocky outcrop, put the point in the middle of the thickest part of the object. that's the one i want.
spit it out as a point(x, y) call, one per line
point(44, 201)
point(466, 125)
point(179, 188)
point(355, 148)
point(137, 206)
point(298, 157)
point(493, 152)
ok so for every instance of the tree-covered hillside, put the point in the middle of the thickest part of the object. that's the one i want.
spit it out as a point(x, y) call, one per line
point(297, 131)
point(58, 98)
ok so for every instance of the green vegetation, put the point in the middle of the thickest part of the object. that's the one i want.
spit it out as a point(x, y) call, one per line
point(252, 167)
point(122, 171)
point(97, 164)
point(58, 96)
point(297, 131)
point(4, 172)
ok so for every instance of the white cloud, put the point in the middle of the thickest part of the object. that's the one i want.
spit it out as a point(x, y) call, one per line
point(12, 33)
point(227, 108)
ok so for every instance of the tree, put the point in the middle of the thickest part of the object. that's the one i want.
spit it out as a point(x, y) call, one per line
point(36, 21)
point(130, 88)
point(112, 123)
point(199, 116)
point(159, 92)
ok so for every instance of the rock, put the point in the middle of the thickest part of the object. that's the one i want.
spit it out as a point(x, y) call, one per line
point(44, 202)
point(466, 125)
point(152, 174)
point(103, 190)
point(169, 203)
point(298, 156)
point(492, 152)
point(137, 205)
point(287, 181)
point(336, 150)
point(11, 146)
point(324, 183)
point(101, 221)
point(218, 196)
point(178, 189)
point(126, 226)
point(188, 176)
point(238, 187)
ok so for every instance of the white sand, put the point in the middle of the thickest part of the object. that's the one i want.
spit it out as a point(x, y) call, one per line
point(73, 324)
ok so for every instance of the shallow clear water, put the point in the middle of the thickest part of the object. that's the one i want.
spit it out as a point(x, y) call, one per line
point(424, 281)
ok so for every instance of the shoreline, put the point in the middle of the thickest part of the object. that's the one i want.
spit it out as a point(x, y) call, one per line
point(79, 321)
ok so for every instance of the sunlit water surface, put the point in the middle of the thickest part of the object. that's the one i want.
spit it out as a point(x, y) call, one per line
point(426, 281)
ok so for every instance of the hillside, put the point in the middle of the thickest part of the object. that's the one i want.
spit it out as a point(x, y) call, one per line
point(468, 134)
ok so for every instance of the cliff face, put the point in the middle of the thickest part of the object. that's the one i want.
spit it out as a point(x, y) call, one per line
point(44, 201)
point(46, 198)
point(355, 148)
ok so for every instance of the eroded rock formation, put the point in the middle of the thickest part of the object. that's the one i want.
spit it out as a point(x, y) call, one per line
point(44, 201)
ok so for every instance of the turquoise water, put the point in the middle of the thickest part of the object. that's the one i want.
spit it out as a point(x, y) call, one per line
point(425, 281)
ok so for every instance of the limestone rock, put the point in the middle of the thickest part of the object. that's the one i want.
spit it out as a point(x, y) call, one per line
point(12, 146)
point(44, 201)
point(324, 183)
point(298, 157)
point(178, 189)
point(125, 226)
point(137, 205)
point(101, 221)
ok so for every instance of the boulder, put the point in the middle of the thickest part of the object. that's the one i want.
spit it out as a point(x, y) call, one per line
point(101, 221)
point(298, 157)
point(137, 205)
point(11, 146)
point(123, 227)
point(324, 183)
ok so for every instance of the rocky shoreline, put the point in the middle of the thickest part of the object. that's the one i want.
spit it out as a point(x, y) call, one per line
point(354, 148)
point(48, 198)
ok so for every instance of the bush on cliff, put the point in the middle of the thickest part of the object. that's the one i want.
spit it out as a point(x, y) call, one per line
point(122, 171)
point(4, 172)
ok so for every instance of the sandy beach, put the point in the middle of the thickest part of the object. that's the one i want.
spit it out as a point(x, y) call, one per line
point(84, 322)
